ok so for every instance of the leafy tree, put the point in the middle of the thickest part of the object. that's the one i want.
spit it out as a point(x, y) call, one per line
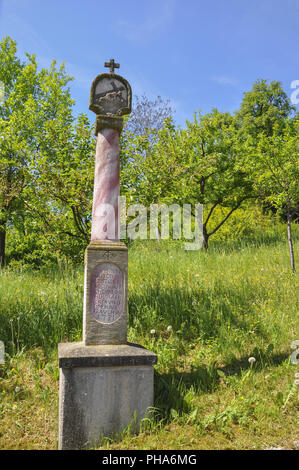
point(268, 130)
point(215, 173)
point(60, 194)
point(263, 108)
point(198, 164)
point(44, 153)
point(17, 114)
point(275, 165)
point(146, 175)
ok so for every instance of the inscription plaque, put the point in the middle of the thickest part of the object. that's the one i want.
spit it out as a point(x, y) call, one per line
point(106, 293)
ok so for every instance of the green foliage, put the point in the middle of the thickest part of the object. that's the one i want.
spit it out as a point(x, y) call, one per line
point(269, 136)
point(199, 164)
point(264, 108)
point(276, 165)
point(63, 208)
point(45, 160)
point(246, 222)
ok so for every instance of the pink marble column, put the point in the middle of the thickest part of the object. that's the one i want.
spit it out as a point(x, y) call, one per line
point(105, 217)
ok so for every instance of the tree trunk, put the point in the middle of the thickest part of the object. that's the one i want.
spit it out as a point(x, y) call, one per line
point(289, 220)
point(205, 237)
point(2, 246)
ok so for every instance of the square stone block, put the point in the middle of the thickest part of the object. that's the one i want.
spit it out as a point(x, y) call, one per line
point(103, 389)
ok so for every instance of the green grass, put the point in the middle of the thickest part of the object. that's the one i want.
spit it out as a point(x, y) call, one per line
point(209, 311)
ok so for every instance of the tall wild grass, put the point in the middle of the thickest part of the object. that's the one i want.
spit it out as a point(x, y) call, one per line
point(235, 296)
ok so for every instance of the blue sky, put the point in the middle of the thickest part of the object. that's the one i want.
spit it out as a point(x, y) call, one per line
point(196, 53)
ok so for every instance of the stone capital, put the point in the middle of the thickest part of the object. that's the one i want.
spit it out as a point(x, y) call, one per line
point(108, 122)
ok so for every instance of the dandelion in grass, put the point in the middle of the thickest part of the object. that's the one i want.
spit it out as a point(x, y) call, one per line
point(251, 361)
point(169, 328)
point(153, 332)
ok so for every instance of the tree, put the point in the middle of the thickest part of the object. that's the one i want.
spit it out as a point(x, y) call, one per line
point(275, 165)
point(45, 164)
point(60, 193)
point(198, 164)
point(148, 115)
point(138, 139)
point(17, 113)
point(268, 129)
point(215, 173)
point(147, 168)
point(264, 107)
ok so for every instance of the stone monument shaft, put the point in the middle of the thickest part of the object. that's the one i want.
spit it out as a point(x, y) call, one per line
point(105, 212)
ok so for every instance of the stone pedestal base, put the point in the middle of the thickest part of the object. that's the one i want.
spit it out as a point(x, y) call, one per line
point(103, 389)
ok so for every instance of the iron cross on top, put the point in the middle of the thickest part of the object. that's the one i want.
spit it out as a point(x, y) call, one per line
point(113, 65)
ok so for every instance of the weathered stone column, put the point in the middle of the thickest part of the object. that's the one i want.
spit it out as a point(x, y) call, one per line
point(105, 217)
point(105, 382)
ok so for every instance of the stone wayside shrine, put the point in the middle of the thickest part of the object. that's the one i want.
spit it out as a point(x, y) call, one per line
point(106, 383)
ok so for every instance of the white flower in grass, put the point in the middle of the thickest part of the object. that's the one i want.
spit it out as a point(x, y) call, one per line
point(251, 360)
point(169, 328)
point(296, 382)
point(153, 332)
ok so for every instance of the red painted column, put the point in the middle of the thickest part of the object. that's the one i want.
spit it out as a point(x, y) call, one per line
point(105, 216)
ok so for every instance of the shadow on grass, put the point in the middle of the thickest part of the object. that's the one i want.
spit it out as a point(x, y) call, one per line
point(171, 388)
point(202, 311)
point(263, 360)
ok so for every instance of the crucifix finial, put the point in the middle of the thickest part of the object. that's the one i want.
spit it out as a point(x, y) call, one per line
point(113, 65)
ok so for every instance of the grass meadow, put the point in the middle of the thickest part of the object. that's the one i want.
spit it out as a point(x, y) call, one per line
point(203, 314)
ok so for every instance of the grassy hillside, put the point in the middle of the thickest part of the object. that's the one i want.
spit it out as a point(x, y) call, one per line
point(204, 314)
